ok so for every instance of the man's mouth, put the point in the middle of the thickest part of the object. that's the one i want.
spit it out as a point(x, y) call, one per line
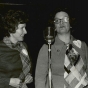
point(61, 26)
point(22, 35)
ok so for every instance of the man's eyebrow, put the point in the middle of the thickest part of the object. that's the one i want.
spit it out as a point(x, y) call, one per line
point(62, 18)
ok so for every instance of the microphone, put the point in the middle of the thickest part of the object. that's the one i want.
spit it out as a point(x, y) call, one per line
point(49, 35)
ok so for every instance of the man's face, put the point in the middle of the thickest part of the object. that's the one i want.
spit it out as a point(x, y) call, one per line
point(19, 34)
point(61, 22)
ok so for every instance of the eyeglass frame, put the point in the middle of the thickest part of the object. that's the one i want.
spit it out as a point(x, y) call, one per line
point(64, 19)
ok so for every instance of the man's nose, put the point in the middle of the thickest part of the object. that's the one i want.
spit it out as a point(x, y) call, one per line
point(61, 21)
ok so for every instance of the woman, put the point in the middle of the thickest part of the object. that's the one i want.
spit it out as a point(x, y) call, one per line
point(15, 63)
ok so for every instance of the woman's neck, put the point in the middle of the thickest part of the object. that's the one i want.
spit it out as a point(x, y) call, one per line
point(12, 40)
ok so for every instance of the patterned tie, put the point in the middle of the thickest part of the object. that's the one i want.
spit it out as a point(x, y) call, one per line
point(74, 76)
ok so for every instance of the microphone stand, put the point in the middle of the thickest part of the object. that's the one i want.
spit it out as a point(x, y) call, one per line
point(49, 37)
point(49, 60)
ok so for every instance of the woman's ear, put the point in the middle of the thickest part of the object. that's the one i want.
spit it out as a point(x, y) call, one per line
point(10, 34)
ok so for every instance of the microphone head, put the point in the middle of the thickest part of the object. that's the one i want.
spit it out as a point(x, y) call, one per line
point(49, 34)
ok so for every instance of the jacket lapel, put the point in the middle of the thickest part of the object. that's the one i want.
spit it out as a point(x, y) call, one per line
point(58, 45)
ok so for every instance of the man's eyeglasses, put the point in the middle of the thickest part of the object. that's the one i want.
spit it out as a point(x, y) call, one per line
point(65, 20)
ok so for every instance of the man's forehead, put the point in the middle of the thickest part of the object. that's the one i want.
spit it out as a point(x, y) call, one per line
point(61, 14)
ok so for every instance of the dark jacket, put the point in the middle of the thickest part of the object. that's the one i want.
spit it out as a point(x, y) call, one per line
point(10, 65)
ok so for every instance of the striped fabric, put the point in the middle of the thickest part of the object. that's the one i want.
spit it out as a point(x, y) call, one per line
point(74, 76)
point(25, 76)
point(26, 67)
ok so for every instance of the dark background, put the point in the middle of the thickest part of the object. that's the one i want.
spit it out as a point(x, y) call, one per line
point(40, 12)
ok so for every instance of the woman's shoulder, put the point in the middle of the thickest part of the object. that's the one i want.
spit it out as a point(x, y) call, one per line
point(2, 43)
point(3, 47)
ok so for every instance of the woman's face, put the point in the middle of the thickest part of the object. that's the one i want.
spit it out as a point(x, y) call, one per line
point(19, 34)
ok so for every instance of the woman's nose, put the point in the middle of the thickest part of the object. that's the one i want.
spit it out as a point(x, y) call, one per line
point(25, 31)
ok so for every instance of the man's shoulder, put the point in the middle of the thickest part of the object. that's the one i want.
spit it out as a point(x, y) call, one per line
point(79, 43)
point(44, 47)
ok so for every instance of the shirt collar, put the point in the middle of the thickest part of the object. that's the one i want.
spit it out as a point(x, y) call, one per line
point(59, 43)
point(7, 41)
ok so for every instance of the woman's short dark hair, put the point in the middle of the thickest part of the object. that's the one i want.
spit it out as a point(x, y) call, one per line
point(12, 19)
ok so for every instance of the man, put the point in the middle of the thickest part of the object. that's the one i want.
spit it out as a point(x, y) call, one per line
point(68, 59)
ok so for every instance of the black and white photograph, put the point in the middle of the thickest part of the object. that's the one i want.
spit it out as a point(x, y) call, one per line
point(43, 44)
